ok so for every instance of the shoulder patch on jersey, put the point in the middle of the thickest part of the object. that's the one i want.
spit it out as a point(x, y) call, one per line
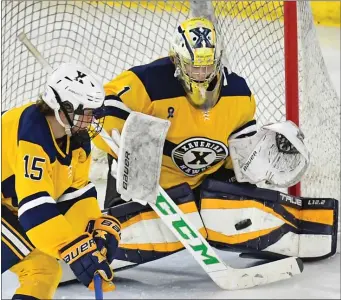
point(33, 128)
point(195, 155)
point(158, 79)
point(236, 85)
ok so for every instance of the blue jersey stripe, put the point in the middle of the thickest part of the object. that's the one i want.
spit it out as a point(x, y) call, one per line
point(38, 215)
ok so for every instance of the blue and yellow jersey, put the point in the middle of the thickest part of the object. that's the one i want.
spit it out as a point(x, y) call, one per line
point(197, 140)
point(46, 185)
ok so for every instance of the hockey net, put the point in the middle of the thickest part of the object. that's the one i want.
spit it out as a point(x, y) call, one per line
point(109, 37)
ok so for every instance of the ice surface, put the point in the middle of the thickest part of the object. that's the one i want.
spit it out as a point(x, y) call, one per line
point(180, 277)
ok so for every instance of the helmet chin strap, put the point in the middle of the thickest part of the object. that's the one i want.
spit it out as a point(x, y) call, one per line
point(67, 127)
point(56, 113)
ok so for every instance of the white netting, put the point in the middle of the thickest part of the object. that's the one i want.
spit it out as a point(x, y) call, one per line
point(112, 36)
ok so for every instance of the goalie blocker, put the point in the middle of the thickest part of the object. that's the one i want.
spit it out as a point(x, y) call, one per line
point(258, 222)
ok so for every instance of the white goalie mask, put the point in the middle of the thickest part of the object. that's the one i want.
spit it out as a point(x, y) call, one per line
point(74, 90)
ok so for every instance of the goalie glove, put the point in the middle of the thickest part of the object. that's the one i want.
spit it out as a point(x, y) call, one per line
point(276, 154)
point(85, 261)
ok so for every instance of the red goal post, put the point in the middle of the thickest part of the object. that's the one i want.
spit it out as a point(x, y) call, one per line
point(291, 70)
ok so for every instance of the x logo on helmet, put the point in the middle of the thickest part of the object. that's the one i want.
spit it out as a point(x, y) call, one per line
point(80, 76)
point(202, 34)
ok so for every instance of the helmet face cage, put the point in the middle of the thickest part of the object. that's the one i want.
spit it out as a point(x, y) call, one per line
point(203, 94)
point(85, 124)
point(197, 54)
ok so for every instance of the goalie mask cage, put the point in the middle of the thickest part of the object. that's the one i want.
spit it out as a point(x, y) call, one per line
point(261, 39)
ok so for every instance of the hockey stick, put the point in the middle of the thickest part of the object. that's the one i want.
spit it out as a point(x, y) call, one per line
point(23, 38)
point(98, 287)
point(223, 275)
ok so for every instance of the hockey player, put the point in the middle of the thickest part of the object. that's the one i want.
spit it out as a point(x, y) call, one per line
point(212, 116)
point(49, 206)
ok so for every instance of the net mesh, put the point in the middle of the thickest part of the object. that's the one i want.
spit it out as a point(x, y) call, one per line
point(109, 37)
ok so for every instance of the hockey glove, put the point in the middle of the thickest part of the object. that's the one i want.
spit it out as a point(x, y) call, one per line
point(107, 234)
point(85, 260)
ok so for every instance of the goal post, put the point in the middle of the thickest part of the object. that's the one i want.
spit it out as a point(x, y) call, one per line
point(291, 70)
point(272, 44)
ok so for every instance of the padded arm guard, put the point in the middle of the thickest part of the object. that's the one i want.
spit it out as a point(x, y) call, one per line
point(251, 219)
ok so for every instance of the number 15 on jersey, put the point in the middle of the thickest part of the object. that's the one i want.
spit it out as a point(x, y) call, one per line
point(33, 167)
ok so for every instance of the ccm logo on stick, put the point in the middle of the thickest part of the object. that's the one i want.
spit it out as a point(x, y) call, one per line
point(126, 170)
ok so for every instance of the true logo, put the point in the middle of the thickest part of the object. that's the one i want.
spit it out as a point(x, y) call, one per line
point(195, 155)
point(290, 199)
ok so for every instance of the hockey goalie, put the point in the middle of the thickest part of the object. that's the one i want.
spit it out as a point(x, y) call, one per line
point(201, 144)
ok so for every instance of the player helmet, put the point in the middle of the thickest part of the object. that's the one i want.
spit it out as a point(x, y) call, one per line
point(196, 53)
point(74, 90)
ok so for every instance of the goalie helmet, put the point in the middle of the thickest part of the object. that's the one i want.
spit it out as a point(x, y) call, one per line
point(196, 53)
point(75, 91)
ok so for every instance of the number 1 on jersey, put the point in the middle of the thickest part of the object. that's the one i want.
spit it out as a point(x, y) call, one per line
point(125, 89)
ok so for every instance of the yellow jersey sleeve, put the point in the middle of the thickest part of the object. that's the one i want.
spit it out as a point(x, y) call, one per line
point(246, 125)
point(38, 214)
point(124, 93)
point(79, 202)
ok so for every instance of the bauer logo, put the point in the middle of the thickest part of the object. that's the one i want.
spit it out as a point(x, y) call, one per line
point(196, 155)
point(126, 170)
point(246, 165)
point(78, 251)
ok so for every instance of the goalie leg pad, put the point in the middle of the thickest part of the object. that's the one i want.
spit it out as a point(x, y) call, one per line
point(251, 219)
point(144, 237)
